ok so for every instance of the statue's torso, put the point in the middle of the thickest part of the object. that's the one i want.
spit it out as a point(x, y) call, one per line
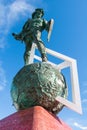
point(38, 23)
point(35, 24)
point(33, 28)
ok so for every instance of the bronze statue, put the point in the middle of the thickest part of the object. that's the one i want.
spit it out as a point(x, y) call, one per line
point(37, 84)
point(31, 32)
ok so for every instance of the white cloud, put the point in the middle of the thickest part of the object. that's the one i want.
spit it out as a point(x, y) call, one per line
point(17, 8)
point(80, 126)
point(10, 13)
point(3, 81)
point(73, 122)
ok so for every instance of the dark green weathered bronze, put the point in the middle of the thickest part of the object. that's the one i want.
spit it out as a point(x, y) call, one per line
point(31, 32)
point(38, 84)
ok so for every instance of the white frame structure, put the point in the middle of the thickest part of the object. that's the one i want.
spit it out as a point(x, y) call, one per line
point(75, 104)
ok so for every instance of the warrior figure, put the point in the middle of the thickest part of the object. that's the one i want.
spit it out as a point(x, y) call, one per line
point(31, 33)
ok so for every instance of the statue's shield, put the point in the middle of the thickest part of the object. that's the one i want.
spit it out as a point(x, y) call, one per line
point(51, 22)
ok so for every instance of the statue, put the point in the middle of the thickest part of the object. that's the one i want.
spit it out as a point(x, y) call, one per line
point(37, 84)
point(31, 32)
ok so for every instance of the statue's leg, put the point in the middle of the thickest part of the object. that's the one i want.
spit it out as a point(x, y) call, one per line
point(44, 57)
point(27, 53)
point(42, 49)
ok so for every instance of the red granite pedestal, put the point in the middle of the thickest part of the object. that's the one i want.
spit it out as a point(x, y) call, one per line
point(35, 118)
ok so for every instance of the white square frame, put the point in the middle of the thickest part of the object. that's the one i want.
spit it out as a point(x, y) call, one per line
point(75, 104)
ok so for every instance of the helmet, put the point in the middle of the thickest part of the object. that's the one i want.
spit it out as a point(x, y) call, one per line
point(38, 10)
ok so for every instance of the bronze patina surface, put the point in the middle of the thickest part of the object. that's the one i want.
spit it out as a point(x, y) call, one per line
point(38, 84)
point(31, 33)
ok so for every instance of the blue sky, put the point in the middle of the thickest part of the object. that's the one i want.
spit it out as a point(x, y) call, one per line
point(69, 37)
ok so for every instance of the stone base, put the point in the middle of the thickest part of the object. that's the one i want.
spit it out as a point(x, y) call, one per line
point(35, 118)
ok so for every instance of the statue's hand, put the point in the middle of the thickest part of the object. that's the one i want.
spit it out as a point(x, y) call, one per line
point(13, 34)
point(16, 36)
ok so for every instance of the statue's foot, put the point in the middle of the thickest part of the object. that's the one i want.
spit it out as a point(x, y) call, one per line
point(44, 59)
